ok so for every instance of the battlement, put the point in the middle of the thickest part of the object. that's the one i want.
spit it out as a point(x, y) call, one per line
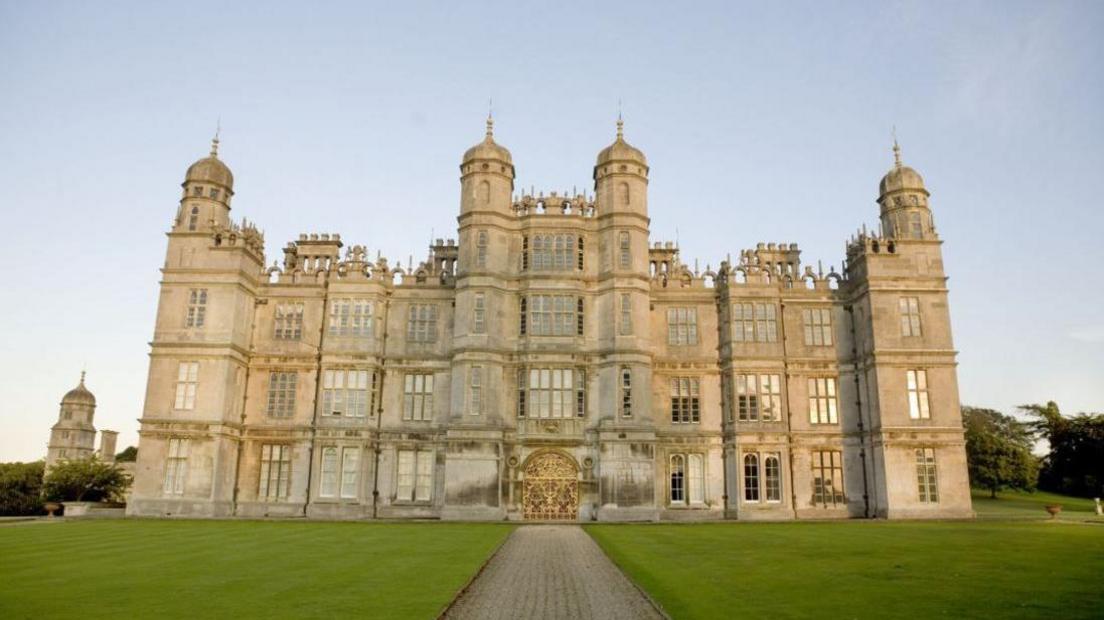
point(777, 264)
point(244, 235)
point(576, 204)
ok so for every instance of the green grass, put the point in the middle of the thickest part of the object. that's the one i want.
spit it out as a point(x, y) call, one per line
point(861, 569)
point(220, 569)
point(1018, 504)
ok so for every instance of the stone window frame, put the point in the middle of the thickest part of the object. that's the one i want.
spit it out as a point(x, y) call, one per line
point(479, 314)
point(682, 326)
point(625, 328)
point(626, 392)
point(916, 384)
point(287, 321)
point(754, 321)
point(339, 475)
point(275, 472)
point(823, 400)
point(685, 399)
point(908, 306)
point(481, 243)
point(418, 483)
point(196, 315)
point(282, 386)
point(754, 401)
point(927, 475)
point(421, 323)
point(348, 392)
point(818, 326)
point(827, 466)
point(187, 386)
point(418, 400)
point(176, 466)
point(351, 317)
point(475, 390)
point(686, 480)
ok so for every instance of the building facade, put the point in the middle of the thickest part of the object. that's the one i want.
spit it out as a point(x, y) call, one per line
point(552, 363)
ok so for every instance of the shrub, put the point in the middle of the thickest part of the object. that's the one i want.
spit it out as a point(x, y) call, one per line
point(21, 489)
point(85, 480)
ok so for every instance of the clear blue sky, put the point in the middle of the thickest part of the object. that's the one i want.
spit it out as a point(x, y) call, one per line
point(761, 123)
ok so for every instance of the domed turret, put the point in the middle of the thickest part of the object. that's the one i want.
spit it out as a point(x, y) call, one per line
point(621, 177)
point(904, 202)
point(211, 170)
point(486, 176)
point(79, 395)
point(621, 151)
point(488, 149)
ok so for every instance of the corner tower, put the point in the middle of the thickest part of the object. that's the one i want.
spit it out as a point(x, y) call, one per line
point(486, 177)
point(621, 177)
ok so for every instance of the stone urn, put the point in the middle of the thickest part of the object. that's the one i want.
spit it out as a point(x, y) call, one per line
point(51, 508)
point(1054, 509)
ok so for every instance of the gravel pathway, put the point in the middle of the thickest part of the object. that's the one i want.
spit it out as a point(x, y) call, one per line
point(551, 571)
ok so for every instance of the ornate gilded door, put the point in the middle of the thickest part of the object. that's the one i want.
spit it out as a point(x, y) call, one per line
point(550, 491)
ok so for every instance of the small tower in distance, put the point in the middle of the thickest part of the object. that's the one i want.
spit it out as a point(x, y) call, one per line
point(73, 436)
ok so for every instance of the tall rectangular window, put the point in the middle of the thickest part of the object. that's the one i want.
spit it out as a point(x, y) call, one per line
point(327, 486)
point(350, 472)
point(917, 381)
point(348, 393)
point(822, 400)
point(351, 317)
point(421, 325)
point(552, 315)
point(289, 322)
point(754, 322)
point(828, 478)
point(625, 261)
point(176, 467)
point(481, 249)
point(281, 394)
point(418, 397)
point(626, 393)
point(682, 326)
point(475, 397)
point(685, 403)
point(187, 381)
point(926, 475)
point(479, 314)
point(415, 479)
point(818, 326)
point(551, 393)
point(626, 314)
point(197, 308)
point(910, 316)
point(275, 472)
point(759, 398)
point(678, 479)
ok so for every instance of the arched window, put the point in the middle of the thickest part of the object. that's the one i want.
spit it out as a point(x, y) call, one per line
point(484, 192)
point(678, 475)
point(626, 392)
point(772, 478)
point(623, 194)
point(751, 478)
point(193, 219)
point(916, 226)
point(328, 483)
point(697, 478)
point(626, 256)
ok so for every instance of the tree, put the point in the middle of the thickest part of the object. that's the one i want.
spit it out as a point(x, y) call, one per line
point(85, 480)
point(129, 455)
point(21, 489)
point(1075, 463)
point(998, 451)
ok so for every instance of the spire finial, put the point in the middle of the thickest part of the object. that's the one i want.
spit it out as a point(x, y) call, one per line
point(620, 122)
point(215, 140)
point(82, 378)
point(896, 149)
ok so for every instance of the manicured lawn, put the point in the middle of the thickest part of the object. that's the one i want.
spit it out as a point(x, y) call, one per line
point(1017, 504)
point(865, 569)
point(223, 569)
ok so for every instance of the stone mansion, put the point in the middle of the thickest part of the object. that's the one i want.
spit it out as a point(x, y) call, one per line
point(552, 363)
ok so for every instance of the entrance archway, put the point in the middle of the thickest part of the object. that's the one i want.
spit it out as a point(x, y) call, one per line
point(550, 490)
